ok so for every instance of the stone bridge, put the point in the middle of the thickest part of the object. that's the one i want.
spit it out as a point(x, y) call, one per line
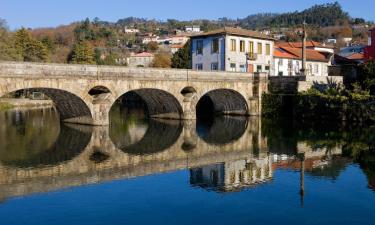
point(84, 94)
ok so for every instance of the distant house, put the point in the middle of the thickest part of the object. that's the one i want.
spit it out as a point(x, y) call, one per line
point(143, 59)
point(148, 37)
point(179, 39)
point(370, 49)
point(175, 48)
point(193, 29)
point(232, 49)
point(131, 30)
point(288, 61)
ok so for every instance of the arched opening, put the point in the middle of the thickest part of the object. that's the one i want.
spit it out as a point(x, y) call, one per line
point(188, 92)
point(97, 90)
point(222, 130)
point(221, 102)
point(154, 102)
point(99, 94)
point(71, 108)
point(35, 138)
point(138, 124)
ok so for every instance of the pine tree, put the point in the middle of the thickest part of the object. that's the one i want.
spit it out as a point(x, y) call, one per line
point(82, 53)
point(7, 50)
point(28, 48)
point(181, 59)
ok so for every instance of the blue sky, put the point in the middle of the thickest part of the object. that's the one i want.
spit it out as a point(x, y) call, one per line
point(42, 13)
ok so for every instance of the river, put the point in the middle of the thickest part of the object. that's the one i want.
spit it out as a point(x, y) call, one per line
point(222, 170)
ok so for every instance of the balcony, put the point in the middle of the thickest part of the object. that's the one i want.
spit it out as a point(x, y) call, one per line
point(251, 56)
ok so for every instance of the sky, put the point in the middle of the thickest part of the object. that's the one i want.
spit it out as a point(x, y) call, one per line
point(50, 13)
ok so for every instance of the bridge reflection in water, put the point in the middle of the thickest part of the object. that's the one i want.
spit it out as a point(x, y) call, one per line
point(225, 154)
point(38, 154)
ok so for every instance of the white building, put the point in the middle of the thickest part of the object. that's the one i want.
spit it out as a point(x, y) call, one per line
point(287, 62)
point(131, 30)
point(232, 49)
point(193, 29)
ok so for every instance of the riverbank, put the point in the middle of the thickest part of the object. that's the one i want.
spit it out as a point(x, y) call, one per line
point(12, 103)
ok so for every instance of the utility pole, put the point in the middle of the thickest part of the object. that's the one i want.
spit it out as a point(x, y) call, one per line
point(303, 35)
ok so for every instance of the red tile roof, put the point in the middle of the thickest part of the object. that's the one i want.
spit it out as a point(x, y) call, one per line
point(296, 53)
point(143, 54)
point(309, 44)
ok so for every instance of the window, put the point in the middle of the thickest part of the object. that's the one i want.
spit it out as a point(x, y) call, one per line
point(281, 62)
point(316, 71)
point(215, 45)
point(251, 47)
point(280, 73)
point(200, 47)
point(233, 44)
point(259, 68)
point(199, 66)
point(233, 67)
point(214, 66)
point(267, 68)
point(242, 46)
point(243, 68)
point(260, 48)
point(268, 49)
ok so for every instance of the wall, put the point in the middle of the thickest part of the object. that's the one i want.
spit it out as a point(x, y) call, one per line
point(207, 58)
point(297, 65)
point(240, 57)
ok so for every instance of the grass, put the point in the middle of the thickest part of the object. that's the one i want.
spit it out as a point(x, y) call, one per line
point(5, 106)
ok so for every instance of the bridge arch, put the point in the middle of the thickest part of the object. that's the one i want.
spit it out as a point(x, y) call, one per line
point(158, 103)
point(222, 102)
point(71, 107)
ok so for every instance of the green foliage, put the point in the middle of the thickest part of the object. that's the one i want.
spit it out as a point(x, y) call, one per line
point(5, 106)
point(82, 53)
point(30, 49)
point(182, 58)
point(7, 50)
point(366, 77)
point(319, 15)
point(272, 105)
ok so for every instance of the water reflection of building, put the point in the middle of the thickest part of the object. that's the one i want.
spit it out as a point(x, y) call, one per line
point(233, 175)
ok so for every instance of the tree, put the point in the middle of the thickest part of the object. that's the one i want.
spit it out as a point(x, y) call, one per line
point(7, 50)
point(82, 53)
point(30, 49)
point(182, 58)
point(152, 46)
point(162, 60)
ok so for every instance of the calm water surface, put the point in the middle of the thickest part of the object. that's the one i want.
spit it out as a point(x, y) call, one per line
point(228, 170)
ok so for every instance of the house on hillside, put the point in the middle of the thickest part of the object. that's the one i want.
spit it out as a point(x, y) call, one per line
point(232, 49)
point(288, 61)
point(143, 59)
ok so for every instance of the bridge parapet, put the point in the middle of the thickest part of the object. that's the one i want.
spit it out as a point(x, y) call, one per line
point(110, 72)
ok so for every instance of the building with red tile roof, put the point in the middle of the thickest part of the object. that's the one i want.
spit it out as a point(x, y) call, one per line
point(288, 60)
